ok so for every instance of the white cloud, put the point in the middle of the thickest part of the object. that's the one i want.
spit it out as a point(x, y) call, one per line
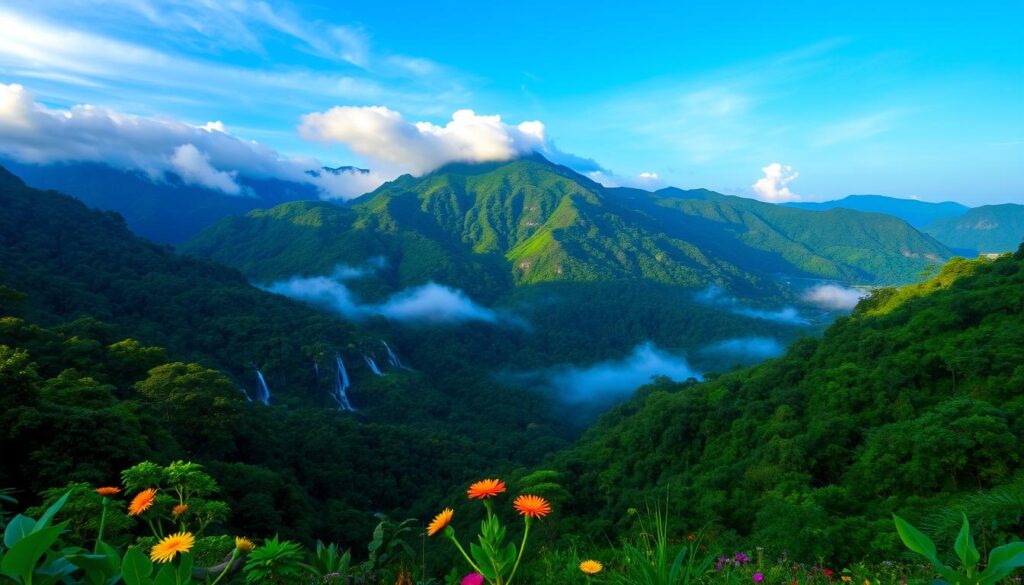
point(434, 303)
point(384, 136)
point(206, 155)
point(430, 303)
point(193, 166)
point(834, 297)
point(618, 379)
point(773, 187)
point(646, 180)
point(747, 348)
point(716, 296)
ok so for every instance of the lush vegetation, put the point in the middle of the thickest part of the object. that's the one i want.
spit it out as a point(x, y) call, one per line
point(913, 404)
point(985, 229)
point(486, 227)
point(915, 212)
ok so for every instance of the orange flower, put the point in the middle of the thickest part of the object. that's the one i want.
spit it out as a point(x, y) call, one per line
point(142, 502)
point(487, 488)
point(179, 510)
point(532, 506)
point(108, 491)
point(440, 521)
point(591, 567)
point(165, 550)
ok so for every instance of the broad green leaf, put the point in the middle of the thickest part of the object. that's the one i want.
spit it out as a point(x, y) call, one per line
point(50, 512)
point(19, 527)
point(482, 560)
point(136, 568)
point(23, 557)
point(95, 566)
point(965, 548)
point(166, 575)
point(916, 540)
point(184, 569)
point(112, 558)
point(1002, 561)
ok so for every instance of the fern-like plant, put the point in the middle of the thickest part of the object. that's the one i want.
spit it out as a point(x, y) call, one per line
point(277, 561)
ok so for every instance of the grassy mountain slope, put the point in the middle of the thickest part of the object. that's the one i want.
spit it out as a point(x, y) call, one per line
point(916, 213)
point(985, 229)
point(488, 227)
point(911, 404)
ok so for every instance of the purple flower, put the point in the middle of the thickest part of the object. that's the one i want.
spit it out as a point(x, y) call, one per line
point(742, 559)
point(473, 579)
point(758, 577)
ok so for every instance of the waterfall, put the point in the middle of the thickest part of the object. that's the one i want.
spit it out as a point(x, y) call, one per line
point(262, 391)
point(392, 357)
point(341, 386)
point(373, 365)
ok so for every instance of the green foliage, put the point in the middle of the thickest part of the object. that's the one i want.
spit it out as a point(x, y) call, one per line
point(277, 561)
point(810, 453)
point(649, 559)
point(329, 564)
point(1002, 560)
point(178, 484)
point(984, 229)
point(82, 512)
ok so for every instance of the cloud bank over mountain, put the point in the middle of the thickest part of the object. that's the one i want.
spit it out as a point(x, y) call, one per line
point(205, 155)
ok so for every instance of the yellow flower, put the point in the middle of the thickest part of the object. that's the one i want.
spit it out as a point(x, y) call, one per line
point(532, 506)
point(142, 502)
point(487, 488)
point(847, 579)
point(591, 567)
point(165, 550)
point(179, 510)
point(440, 521)
point(244, 544)
point(108, 491)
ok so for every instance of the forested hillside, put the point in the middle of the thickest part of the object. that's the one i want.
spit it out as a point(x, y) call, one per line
point(487, 227)
point(913, 405)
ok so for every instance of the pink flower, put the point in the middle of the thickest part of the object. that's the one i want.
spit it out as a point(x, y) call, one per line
point(758, 577)
point(473, 579)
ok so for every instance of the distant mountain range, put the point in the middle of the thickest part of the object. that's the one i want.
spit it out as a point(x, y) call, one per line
point(167, 212)
point(967, 231)
point(490, 227)
point(917, 213)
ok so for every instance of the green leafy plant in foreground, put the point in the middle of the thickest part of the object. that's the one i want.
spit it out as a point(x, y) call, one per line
point(649, 559)
point(1002, 560)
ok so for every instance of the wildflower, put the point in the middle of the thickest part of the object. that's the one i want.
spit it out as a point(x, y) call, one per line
point(532, 506)
point(179, 510)
point(473, 579)
point(758, 577)
point(742, 559)
point(690, 537)
point(591, 567)
point(108, 491)
point(487, 488)
point(142, 502)
point(165, 550)
point(440, 521)
point(828, 573)
point(846, 579)
point(721, 563)
point(867, 581)
point(243, 544)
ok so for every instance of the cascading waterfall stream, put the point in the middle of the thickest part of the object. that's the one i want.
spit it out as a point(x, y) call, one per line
point(262, 391)
point(373, 365)
point(341, 386)
point(392, 357)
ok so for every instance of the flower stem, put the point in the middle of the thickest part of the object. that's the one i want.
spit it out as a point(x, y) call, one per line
point(522, 547)
point(103, 523)
point(234, 556)
point(464, 555)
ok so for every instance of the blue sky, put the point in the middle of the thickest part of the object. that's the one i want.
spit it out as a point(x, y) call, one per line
point(832, 98)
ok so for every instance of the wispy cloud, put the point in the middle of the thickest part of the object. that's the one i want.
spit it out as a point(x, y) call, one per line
point(857, 128)
point(430, 303)
point(716, 296)
point(834, 297)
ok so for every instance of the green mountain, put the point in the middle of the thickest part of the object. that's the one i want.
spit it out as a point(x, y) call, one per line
point(114, 349)
point(917, 213)
point(985, 229)
point(488, 228)
point(911, 405)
